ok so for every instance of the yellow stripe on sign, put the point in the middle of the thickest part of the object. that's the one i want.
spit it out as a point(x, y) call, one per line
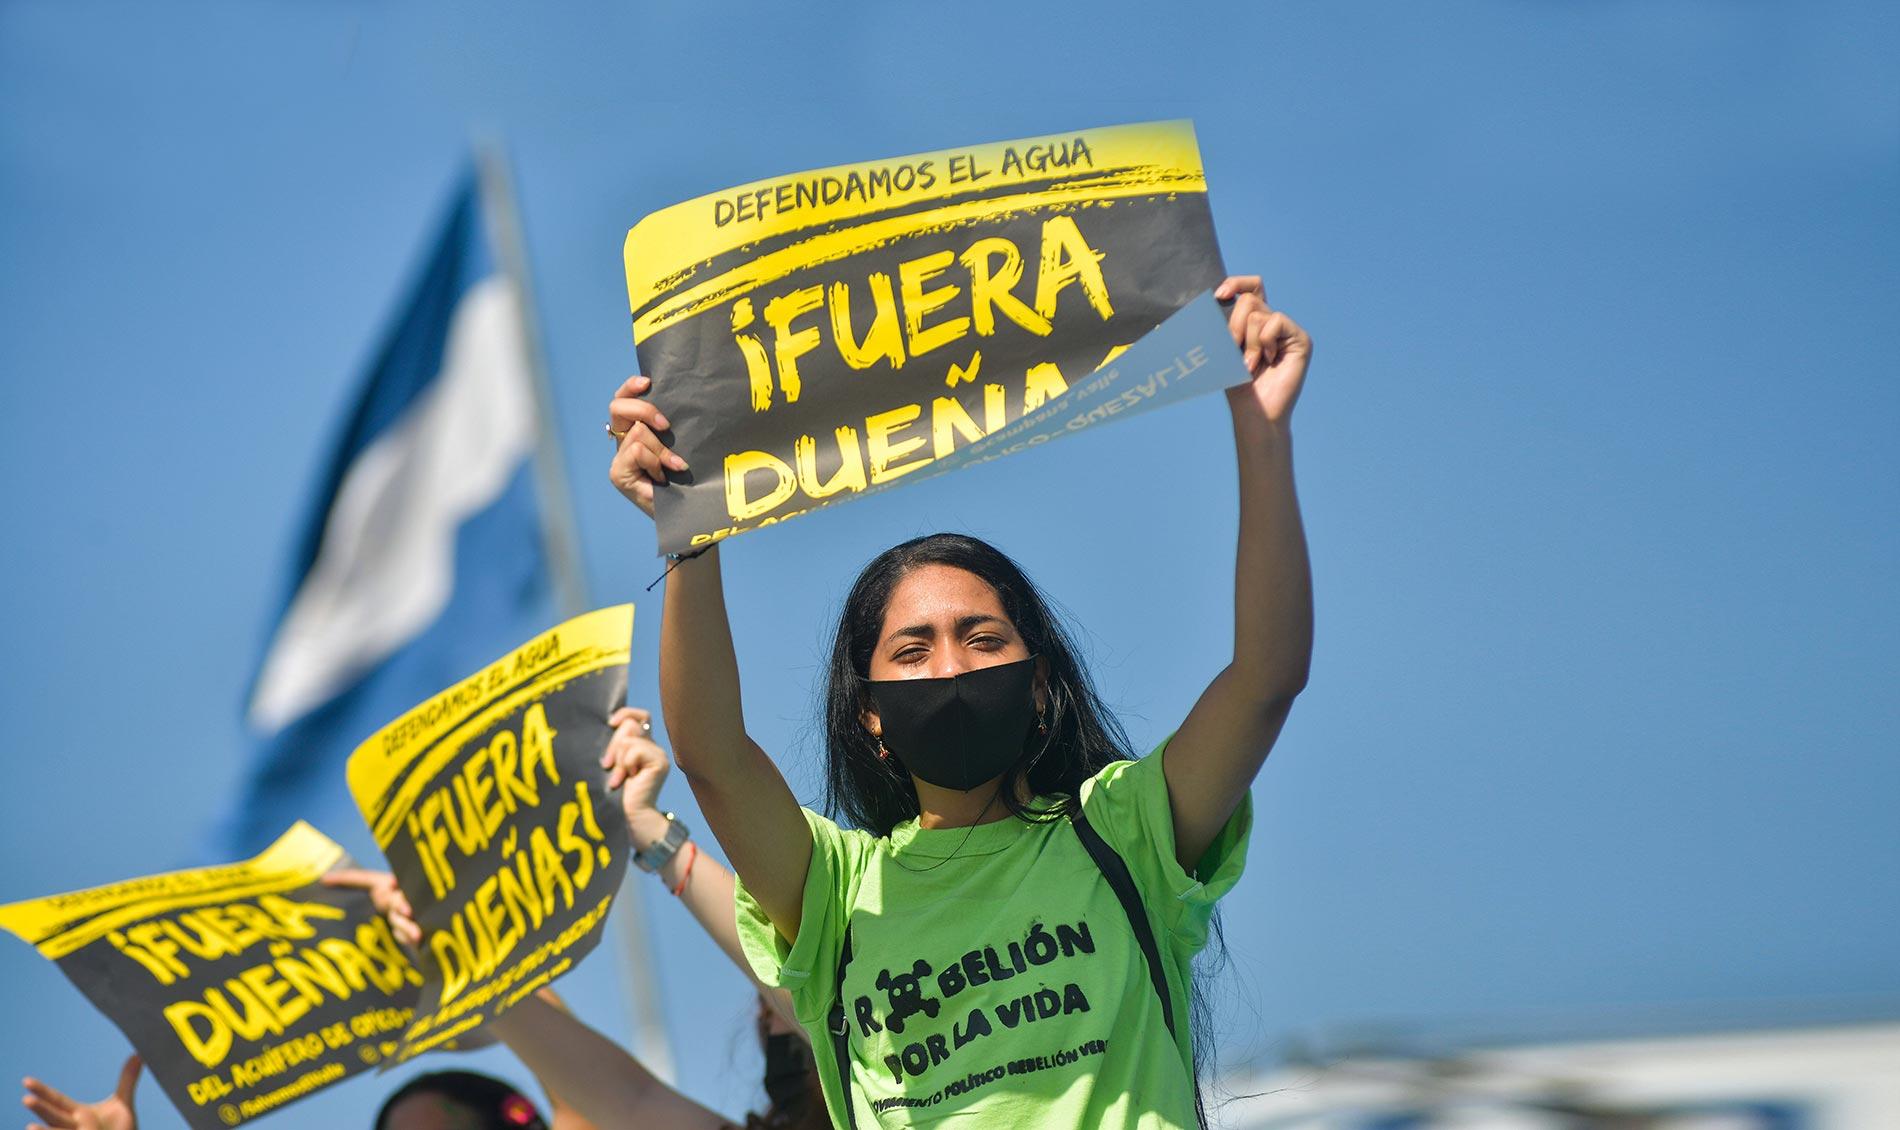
point(409, 751)
point(831, 246)
point(420, 761)
point(386, 814)
point(666, 245)
point(59, 945)
point(60, 924)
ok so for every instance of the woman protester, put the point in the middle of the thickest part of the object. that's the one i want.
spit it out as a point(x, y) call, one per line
point(1007, 928)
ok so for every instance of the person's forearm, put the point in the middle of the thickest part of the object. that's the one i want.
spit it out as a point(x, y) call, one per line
point(585, 1069)
point(565, 1116)
point(1273, 583)
point(741, 793)
point(699, 673)
point(1212, 759)
point(706, 889)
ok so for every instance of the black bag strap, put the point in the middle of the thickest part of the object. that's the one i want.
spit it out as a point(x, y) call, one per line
point(1123, 884)
point(840, 1029)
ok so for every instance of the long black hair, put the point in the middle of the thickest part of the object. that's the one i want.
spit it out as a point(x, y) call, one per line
point(876, 793)
point(804, 1107)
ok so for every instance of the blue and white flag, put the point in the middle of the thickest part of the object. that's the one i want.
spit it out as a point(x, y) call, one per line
point(423, 555)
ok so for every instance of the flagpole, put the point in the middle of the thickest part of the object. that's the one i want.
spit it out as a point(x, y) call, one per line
point(558, 527)
point(559, 531)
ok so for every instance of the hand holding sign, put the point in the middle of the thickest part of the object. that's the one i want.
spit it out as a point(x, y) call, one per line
point(114, 1112)
point(1273, 346)
point(385, 896)
point(637, 767)
point(635, 763)
point(641, 459)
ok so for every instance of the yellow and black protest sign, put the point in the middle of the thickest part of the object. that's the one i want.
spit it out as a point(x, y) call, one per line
point(490, 804)
point(816, 337)
point(246, 986)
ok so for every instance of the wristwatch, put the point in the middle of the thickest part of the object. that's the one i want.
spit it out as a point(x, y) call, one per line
point(656, 854)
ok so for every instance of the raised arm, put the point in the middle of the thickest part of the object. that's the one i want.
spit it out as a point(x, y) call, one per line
point(1213, 758)
point(637, 766)
point(744, 797)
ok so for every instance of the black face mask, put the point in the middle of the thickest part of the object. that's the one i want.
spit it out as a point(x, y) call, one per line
point(786, 1071)
point(959, 732)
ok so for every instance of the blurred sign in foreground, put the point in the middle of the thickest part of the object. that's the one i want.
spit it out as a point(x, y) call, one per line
point(246, 986)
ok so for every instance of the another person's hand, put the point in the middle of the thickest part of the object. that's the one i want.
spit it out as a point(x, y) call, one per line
point(641, 460)
point(637, 766)
point(384, 895)
point(59, 1112)
point(1273, 345)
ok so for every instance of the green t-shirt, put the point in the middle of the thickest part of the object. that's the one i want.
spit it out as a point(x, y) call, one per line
point(994, 976)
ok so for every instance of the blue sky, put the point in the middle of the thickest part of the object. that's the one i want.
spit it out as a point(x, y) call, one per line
point(1597, 454)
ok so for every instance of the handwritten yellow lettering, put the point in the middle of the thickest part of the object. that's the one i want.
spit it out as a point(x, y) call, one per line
point(740, 503)
point(1067, 258)
point(960, 374)
point(883, 452)
point(883, 341)
point(848, 476)
point(1043, 384)
point(920, 303)
point(991, 289)
point(788, 345)
point(537, 752)
point(758, 369)
point(948, 420)
point(995, 410)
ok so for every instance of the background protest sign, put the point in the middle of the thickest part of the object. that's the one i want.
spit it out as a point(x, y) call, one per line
point(245, 986)
point(815, 337)
point(490, 804)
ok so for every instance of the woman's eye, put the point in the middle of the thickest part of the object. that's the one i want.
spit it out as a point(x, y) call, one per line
point(910, 655)
point(987, 643)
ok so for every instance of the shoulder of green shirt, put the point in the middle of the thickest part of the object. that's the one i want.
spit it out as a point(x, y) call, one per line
point(1127, 802)
point(838, 860)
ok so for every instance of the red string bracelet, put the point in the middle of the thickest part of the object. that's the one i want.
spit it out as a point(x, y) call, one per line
point(691, 859)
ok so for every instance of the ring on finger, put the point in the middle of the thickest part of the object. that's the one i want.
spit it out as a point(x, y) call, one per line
point(646, 727)
point(618, 435)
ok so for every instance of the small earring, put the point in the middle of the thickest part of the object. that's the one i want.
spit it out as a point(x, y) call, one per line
point(1042, 727)
point(882, 753)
